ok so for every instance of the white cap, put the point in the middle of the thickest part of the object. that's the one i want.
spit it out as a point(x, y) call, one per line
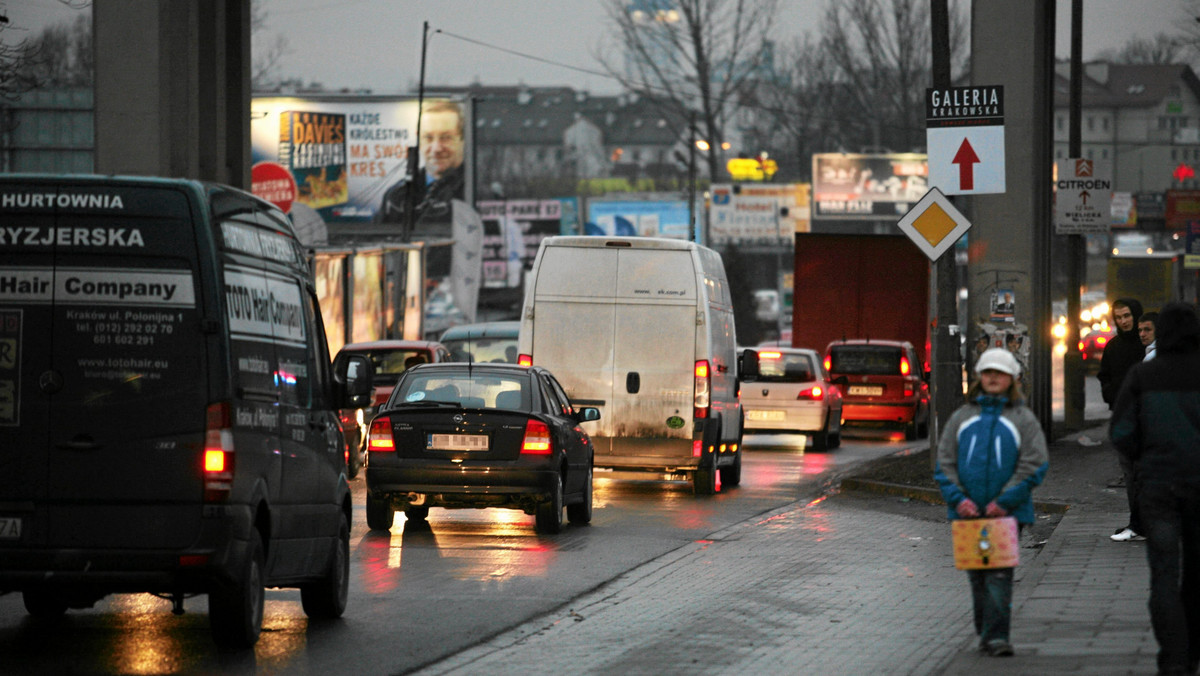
point(998, 359)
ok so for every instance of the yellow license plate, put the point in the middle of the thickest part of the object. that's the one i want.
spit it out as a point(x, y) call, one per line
point(865, 390)
point(765, 416)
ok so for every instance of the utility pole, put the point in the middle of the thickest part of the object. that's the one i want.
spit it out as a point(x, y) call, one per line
point(414, 151)
point(692, 180)
point(1073, 373)
point(947, 367)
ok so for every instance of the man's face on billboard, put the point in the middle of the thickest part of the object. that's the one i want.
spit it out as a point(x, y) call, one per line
point(441, 142)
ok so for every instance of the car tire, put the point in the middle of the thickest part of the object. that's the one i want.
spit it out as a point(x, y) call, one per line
point(44, 604)
point(732, 475)
point(821, 438)
point(379, 513)
point(549, 519)
point(835, 439)
point(326, 598)
point(353, 463)
point(580, 513)
point(910, 430)
point(235, 607)
point(416, 513)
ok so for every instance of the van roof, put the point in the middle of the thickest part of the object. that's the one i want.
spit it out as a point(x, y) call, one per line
point(631, 242)
point(498, 329)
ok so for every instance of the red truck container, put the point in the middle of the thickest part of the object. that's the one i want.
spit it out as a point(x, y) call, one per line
point(861, 286)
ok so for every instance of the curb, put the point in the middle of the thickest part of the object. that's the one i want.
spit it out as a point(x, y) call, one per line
point(932, 495)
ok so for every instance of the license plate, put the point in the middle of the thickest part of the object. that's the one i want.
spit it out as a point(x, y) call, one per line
point(765, 416)
point(866, 390)
point(457, 442)
point(10, 527)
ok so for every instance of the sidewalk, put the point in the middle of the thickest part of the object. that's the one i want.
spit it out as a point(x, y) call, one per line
point(836, 587)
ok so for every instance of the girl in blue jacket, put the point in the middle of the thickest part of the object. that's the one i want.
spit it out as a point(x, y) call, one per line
point(990, 456)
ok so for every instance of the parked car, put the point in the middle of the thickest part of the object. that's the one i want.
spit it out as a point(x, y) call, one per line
point(390, 359)
point(480, 435)
point(793, 393)
point(493, 342)
point(882, 383)
point(1092, 347)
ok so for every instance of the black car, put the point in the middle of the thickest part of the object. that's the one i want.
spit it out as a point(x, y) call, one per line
point(462, 435)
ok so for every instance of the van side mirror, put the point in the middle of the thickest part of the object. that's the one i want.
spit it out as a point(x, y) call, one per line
point(355, 376)
point(587, 414)
point(748, 364)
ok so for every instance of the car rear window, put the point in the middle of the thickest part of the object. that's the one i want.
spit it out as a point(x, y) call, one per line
point(782, 367)
point(481, 350)
point(866, 360)
point(466, 389)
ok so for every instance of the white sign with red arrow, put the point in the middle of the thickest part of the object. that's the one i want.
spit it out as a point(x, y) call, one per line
point(1082, 196)
point(965, 138)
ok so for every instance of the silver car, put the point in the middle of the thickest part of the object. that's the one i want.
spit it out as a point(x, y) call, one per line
point(792, 394)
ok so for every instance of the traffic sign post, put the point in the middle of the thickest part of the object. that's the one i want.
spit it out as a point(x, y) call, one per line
point(933, 224)
point(965, 137)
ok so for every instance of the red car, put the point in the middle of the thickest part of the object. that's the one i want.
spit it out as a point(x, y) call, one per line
point(882, 383)
point(1092, 347)
point(390, 359)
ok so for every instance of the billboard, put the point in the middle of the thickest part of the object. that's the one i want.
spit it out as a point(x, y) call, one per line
point(758, 213)
point(346, 156)
point(638, 218)
point(512, 232)
point(867, 187)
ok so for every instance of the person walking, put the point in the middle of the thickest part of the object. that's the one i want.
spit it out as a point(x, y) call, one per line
point(1146, 334)
point(991, 456)
point(1156, 425)
point(1122, 352)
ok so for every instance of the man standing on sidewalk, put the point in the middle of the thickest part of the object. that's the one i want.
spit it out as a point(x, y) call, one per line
point(1122, 352)
point(1156, 426)
point(1146, 333)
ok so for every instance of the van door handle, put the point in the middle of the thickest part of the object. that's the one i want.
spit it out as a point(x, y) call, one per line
point(81, 442)
point(633, 382)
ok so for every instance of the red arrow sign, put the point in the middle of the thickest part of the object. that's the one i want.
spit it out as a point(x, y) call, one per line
point(1083, 197)
point(966, 159)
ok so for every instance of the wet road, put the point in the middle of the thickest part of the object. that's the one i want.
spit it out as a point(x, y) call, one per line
point(420, 593)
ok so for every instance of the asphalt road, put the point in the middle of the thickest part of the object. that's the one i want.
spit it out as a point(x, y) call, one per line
point(421, 593)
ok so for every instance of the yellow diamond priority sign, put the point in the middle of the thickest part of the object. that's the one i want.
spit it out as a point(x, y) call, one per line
point(933, 224)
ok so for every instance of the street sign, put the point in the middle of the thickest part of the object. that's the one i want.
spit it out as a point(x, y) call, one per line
point(964, 132)
point(1083, 199)
point(934, 225)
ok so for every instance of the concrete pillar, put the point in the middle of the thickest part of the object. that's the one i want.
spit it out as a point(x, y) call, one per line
point(1013, 45)
point(173, 89)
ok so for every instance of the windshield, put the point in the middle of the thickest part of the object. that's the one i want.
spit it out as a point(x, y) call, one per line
point(389, 364)
point(867, 360)
point(466, 390)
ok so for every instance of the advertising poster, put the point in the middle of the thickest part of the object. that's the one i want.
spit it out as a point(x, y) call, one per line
point(667, 218)
point(346, 157)
point(512, 232)
point(768, 214)
point(861, 187)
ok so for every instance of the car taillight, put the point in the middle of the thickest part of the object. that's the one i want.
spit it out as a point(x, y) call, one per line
point(815, 393)
point(525, 360)
point(218, 452)
point(770, 355)
point(828, 362)
point(701, 401)
point(905, 367)
point(379, 438)
point(1081, 347)
point(537, 438)
point(1101, 341)
point(908, 389)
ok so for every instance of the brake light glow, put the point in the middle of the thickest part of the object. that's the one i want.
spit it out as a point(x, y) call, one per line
point(379, 438)
point(828, 361)
point(537, 438)
point(815, 392)
point(701, 388)
point(905, 367)
point(1101, 341)
point(770, 355)
point(525, 360)
point(908, 389)
point(218, 452)
point(697, 448)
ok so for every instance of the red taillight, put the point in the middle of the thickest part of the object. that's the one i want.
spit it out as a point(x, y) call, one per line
point(1081, 347)
point(525, 360)
point(905, 367)
point(908, 389)
point(379, 438)
point(1101, 341)
point(770, 355)
point(828, 362)
point(537, 438)
point(218, 452)
point(815, 393)
point(701, 399)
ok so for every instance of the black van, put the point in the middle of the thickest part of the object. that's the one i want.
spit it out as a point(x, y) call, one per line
point(168, 412)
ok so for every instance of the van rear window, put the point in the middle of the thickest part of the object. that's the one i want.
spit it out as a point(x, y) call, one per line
point(866, 360)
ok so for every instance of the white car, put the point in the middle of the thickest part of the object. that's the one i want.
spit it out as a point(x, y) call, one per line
point(792, 394)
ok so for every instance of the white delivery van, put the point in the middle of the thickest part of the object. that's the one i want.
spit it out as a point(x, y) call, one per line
point(641, 328)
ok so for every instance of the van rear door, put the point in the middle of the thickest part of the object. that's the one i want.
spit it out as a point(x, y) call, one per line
point(100, 298)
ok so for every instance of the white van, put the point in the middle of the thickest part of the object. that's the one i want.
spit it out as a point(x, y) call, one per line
point(641, 328)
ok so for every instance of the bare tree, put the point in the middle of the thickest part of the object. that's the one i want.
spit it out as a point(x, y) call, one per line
point(1160, 50)
point(267, 51)
point(694, 58)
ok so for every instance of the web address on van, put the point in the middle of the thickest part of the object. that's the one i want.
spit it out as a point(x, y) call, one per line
point(118, 368)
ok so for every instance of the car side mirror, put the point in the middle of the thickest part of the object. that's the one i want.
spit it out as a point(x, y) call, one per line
point(356, 377)
point(748, 365)
point(587, 414)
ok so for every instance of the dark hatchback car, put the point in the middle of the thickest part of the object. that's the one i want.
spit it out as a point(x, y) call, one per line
point(459, 435)
point(883, 383)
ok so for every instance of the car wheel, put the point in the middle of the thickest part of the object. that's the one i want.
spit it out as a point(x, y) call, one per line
point(353, 463)
point(732, 475)
point(326, 598)
point(416, 513)
point(44, 604)
point(235, 607)
point(379, 513)
point(835, 439)
point(549, 514)
point(923, 429)
point(821, 439)
point(910, 430)
point(581, 512)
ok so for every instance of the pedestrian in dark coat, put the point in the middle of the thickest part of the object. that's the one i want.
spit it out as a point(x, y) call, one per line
point(1156, 426)
point(1122, 352)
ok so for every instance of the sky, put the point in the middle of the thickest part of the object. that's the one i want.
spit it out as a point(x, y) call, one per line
point(376, 44)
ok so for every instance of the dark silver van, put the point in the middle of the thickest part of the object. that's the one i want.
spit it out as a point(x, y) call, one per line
point(168, 412)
